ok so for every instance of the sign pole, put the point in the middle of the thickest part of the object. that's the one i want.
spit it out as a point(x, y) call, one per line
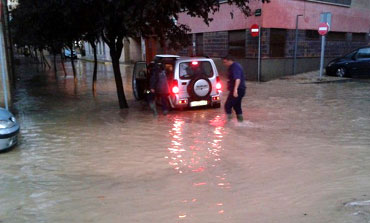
point(2, 61)
point(323, 30)
point(322, 55)
point(259, 56)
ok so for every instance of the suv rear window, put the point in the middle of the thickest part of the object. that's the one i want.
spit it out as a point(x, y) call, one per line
point(188, 70)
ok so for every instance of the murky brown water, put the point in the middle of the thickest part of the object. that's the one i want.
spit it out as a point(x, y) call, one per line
point(302, 155)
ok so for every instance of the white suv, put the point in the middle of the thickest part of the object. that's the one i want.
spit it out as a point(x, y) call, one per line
point(193, 81)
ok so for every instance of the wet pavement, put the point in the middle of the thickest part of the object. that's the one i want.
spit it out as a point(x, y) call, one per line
point(302, 155)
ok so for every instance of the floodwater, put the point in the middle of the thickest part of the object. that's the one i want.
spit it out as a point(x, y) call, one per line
point(302, 155)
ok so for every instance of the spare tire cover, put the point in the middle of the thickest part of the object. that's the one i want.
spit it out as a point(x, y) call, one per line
point(201, 87)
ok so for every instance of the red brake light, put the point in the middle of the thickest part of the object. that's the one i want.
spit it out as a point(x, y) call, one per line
point(195, 63)
point(175, 90)
point(175, 87)
point(218, 84)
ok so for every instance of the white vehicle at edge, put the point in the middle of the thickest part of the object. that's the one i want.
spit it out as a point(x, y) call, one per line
point(9, 129)
point(193, 81)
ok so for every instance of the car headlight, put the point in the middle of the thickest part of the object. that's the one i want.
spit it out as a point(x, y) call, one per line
point(7, 123)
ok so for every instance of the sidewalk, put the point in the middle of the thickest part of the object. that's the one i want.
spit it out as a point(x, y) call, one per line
point(312, 77)
point(102, 61)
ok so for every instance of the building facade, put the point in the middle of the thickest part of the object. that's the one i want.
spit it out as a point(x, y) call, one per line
point(229, 34)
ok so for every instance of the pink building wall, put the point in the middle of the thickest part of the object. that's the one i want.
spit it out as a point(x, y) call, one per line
point(282, 14)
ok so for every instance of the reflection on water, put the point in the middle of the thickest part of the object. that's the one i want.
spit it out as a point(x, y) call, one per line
point(198, 154)
point(301, 154)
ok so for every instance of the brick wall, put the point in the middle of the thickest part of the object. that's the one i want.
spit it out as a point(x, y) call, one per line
point(215, 44)
point(311, 47)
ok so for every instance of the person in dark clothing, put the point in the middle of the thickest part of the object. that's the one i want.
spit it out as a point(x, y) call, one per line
point(159, 86)
point(236, 86)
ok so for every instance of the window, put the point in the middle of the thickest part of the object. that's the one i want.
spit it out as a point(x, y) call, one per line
point(237, 43)
point(358, 37)
point(277, 42)
point(199, 44)
point(187, 70)
point(364, 53)
point(312, 35)
point(336, 36)
point(339, 2)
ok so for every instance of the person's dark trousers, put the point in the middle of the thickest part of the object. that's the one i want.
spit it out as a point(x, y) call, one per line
point(151, 102)
point(164, 101)
point(233, 102)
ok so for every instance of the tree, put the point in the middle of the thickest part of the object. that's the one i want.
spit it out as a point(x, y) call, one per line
point(47, 24)
point(92, 29)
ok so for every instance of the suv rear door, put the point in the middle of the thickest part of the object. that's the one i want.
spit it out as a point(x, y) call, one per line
point(140, 80)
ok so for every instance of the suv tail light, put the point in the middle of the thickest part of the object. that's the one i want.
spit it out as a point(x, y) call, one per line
point(175, 87)
point(218, 84)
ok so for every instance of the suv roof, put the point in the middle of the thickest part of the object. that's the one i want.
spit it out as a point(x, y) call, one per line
point(167, 56)
point(176, 57)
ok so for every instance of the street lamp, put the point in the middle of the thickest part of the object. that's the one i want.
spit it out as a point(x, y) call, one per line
point(295, 44)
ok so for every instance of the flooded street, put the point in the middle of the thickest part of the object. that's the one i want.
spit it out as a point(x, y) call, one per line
point(302, 155)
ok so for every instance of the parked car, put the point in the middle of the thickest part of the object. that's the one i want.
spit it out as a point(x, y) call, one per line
point(356, 63)
point(193, 81)
point(9, 129)
point(68, 54)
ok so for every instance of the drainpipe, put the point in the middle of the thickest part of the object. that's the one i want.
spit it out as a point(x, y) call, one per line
point(295, 44)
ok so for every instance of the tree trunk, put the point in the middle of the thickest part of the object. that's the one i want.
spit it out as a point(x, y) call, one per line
point(55, 64)
point(62, 61)
point(117, 75)
point(95, 68)
point(45, 60)
point(73, 63)
point(37, 57)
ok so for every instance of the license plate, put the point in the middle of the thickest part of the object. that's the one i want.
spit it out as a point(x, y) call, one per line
point(198, 103)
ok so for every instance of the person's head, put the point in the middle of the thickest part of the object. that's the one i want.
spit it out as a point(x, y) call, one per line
point(227, 61)
point(169, 68)
point(151, 65)
point(160, 66)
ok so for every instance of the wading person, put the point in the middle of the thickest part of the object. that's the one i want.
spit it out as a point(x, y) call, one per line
point(236, 86)
point(151, 95)
point(159, 87)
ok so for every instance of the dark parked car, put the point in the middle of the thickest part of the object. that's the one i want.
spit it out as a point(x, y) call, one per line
point(356, 63)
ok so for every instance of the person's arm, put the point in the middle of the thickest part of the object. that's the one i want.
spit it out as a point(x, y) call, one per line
point(153, 81)
point(237, 83)
point(237, 76)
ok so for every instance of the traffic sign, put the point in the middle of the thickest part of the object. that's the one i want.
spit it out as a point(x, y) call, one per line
point(255, 30)
point(323, 28)
point(258, 12)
